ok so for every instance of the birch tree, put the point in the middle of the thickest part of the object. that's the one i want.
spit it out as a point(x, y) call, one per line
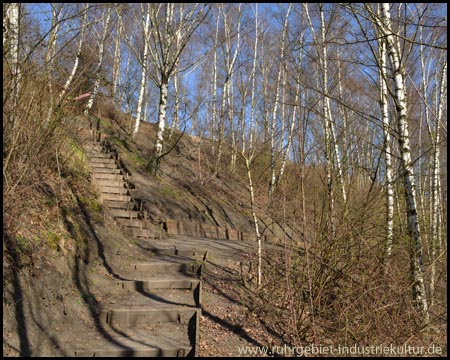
point(435, 187)
point(101, 52)
point(384, 25)
point(50, 55)
point(214, 85)
point(327, 106)
point(327, 123)
point(117, 58)
point(172, 26)
point(253, 77)
point(272, 183)
point(230, 57)
point(69, 80)
point(296, 105)
point(387, 152)
point(11, 40)
point(146, 27)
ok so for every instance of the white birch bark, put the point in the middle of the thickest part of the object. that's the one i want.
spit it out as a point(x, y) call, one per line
point(344, 116)
point(328, 116)
point(176, 26)
point(127, 81)
point(161, 117)
point(78, 55)
point(290, 130)
point(387, 154)
point(435, 239)
point(230, 95)
point(230, 98)
point(146, 27)
point(327, 132)
point(417, 272)
point(230, 60)
point(117, 59)
point(101, 52)
point(175, 121)
point(255, 220)
point(165, 77)
point(272, 183)
point(214, 86)
point(253, 76)
point(50, 57)
point(12, 34)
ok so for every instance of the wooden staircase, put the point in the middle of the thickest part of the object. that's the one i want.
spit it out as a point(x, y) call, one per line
point(153, 309)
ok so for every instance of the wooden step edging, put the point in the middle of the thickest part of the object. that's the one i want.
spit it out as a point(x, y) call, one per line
point(181, 315)
point(108, 177)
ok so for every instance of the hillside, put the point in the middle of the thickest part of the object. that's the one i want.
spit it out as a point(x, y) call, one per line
point(69, 250)
point(55, 284)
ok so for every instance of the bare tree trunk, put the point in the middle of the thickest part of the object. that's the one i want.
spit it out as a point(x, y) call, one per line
point(161, 116)
point(175, 122)
point(168, 37)
point(328, 117)
point(387, 154)
point(435, 233)
point(344, 115)
point(230, 98)
point(419, 293)
point(214, 87)
point(117, 60)
point(230, 61)
point(327, 123)
point(248, 161)
point(272, 183)
point(126, 82)
point(141, 102)
point(12, 27)
point(50, 56)
point(290, 130)
point(101, 52)
point(253, 76)
point(78, 55)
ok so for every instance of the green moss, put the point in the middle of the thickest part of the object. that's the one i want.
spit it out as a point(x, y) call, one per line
point(77, 159)
point(137, 160)
point(23, 244)
point(53, 239)
point(91, 204)
point(115, 140)
point(171, 192)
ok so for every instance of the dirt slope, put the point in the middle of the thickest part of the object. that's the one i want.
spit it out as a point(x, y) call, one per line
point(50, 296)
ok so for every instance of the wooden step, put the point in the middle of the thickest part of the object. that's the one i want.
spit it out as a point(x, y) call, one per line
point(110, 182)
point(158, 340)
point(110, 176)
point(160, 290)
point(124, 205)
point(139, 351)
point(142, 233)
point(119, 213)
point(135, 223)
point(102, 170)
point(93, 145)
point(101, 160)
point(145, 286)
point(132, 317)
point(167, 267)
point(102, 165)
point(115, 197)
point(191, 254)
point(112, 190)
point(100, 155)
